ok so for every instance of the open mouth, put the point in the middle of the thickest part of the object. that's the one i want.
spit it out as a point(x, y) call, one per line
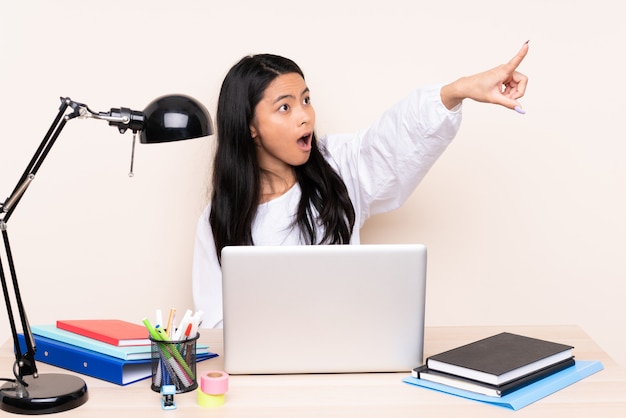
point(304, 143)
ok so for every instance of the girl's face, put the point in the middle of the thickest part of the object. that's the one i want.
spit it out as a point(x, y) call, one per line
point(283, 124)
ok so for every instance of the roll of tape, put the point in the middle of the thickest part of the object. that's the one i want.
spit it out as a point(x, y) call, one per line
point(214, 382)
point(210, 401)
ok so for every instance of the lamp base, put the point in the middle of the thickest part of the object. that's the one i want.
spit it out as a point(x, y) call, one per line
point(47, 394)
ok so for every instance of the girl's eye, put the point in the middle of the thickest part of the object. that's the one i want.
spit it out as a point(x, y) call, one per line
point(307, 100)
point(284, 108)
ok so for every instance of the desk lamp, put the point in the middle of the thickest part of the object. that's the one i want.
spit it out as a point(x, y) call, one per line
point(168, 118)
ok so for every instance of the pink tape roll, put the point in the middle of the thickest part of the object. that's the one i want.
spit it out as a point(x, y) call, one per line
point(214, 382)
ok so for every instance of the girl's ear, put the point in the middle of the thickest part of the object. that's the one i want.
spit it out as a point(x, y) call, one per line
point(253, 132)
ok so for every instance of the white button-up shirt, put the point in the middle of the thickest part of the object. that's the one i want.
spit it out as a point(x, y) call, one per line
point(381, 166)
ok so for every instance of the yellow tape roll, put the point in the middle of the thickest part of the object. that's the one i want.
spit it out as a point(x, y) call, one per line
point(210, 401)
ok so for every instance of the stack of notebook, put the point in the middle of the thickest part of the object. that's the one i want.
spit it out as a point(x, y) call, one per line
point(505, 369)
point(117, 351)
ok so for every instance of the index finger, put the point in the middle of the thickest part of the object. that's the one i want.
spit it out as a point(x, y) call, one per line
point(517, 59)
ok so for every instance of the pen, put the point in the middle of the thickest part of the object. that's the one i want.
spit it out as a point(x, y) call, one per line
point(195, 323)
point(159, 317)
point(170, 323)
point(188, 331)
point(178, 334)
point(153, 333)
point(162, 333)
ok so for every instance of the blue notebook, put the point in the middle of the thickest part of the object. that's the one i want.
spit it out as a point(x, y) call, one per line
point(526, 395)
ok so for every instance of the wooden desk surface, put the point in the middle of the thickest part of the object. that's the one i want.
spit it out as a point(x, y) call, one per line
point(359, 395)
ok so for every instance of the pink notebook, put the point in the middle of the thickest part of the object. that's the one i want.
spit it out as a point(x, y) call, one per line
point(112, 331)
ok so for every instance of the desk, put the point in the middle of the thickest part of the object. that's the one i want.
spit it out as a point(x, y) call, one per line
point(360, 395)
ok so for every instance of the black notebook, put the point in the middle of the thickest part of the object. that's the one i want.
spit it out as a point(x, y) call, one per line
point(500, 358)
point(425, 373)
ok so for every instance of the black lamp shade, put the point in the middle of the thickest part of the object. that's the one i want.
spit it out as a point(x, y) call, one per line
point(175, 118)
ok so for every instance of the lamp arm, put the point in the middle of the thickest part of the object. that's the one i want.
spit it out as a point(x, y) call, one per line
point(123, 119)
point(28, 176)
point(25, 361)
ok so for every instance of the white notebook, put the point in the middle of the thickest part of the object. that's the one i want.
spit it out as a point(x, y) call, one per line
point(323, 309)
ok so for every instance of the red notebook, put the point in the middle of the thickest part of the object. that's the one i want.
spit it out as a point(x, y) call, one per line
point(111, 331)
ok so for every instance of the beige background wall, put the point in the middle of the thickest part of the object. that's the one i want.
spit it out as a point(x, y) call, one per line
point(523, 216)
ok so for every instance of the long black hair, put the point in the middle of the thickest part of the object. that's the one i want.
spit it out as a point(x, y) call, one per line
point(236, 173)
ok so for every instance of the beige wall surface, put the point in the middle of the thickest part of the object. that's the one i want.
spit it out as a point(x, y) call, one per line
point(523, 216)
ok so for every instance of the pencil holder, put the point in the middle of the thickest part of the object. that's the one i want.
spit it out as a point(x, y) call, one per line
point(174, 363)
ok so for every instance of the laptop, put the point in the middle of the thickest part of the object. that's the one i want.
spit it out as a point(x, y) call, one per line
point(323, 308)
